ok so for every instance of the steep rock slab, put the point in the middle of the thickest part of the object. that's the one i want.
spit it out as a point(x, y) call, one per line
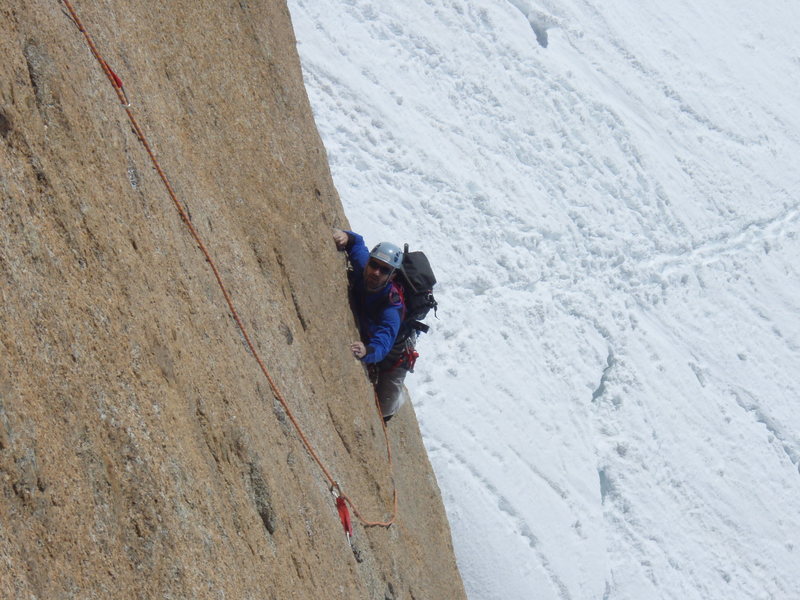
point(142, 452)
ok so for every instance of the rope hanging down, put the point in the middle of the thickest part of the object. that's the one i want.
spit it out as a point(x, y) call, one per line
point(341, 498)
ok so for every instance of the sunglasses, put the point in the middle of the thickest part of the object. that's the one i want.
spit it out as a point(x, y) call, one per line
point(384, 269)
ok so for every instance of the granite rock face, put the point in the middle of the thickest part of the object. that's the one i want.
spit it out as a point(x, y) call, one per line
point(142, 452)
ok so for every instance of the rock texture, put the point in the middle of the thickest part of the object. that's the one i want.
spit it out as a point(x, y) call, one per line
point(142, 453)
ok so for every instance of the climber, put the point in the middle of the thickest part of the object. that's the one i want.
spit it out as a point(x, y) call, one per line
point(378, 305)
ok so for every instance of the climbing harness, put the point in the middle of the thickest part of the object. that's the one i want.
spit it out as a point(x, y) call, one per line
point(342, 500)
point(408, 357)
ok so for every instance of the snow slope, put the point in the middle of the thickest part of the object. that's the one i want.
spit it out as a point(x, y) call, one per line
point(609, 195)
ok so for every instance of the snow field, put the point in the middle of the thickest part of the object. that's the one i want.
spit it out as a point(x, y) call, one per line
point(609, 197)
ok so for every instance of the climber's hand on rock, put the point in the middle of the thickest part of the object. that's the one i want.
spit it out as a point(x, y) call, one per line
point(358, 349)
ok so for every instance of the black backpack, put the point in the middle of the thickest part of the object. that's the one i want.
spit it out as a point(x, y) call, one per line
point(417, 280)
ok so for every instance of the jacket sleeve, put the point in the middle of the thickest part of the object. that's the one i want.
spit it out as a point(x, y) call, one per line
point(384, 334)
point(357, 250)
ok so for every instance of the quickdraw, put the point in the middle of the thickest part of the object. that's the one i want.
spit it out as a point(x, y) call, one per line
point(344, 515)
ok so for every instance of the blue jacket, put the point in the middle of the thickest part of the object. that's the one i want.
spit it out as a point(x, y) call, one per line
point(379, 313)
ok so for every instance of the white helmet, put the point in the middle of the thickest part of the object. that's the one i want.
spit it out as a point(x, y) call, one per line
point(388, 253)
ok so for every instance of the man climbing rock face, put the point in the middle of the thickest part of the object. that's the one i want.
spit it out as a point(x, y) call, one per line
point(379, 309)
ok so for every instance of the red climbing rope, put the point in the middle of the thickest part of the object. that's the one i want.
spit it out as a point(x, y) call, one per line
point(116, 83)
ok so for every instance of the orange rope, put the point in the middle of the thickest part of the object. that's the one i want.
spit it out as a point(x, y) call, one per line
point(117, 85)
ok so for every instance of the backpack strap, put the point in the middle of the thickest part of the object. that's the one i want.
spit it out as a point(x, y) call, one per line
point(397, 294)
